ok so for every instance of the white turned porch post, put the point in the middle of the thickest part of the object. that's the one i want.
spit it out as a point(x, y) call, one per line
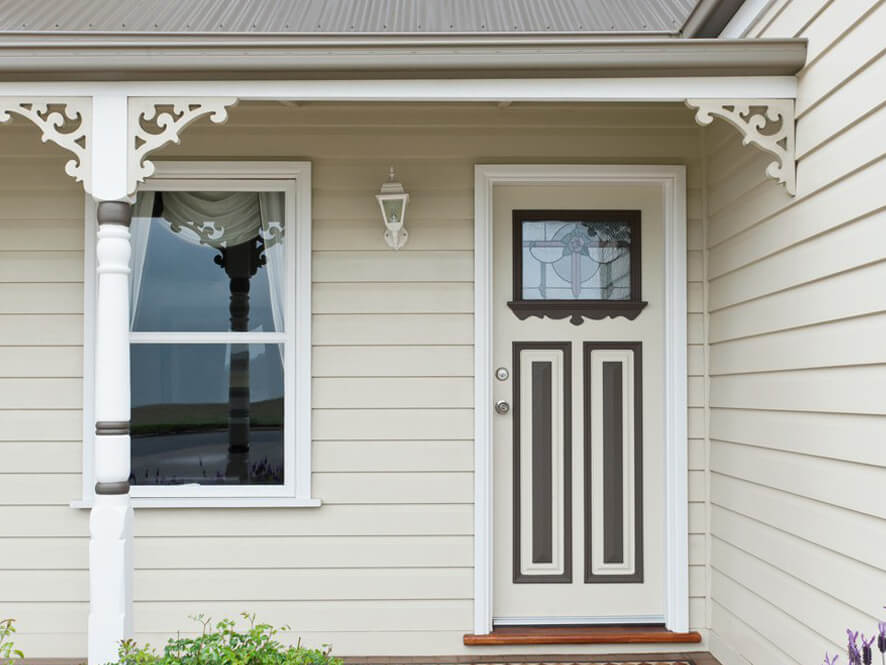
point(110, 523)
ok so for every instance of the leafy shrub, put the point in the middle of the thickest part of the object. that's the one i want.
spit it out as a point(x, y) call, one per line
point(7, 648)
point(226, 646)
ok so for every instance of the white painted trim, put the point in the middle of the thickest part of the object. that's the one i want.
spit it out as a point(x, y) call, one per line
point(221, 502)
point(615, 89)
point(676, 406)
point(580, 621)
point(745, 18)
point(90, 286)
point(672, 180)
point(246, 170)
point(483, 373)
point(294, 178)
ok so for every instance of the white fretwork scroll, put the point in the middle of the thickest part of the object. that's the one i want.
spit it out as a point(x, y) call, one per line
point(154, 122)
point(64, 121)
point(765, 123)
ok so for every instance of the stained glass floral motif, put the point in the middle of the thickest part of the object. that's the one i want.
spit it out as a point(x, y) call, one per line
point(576, 260)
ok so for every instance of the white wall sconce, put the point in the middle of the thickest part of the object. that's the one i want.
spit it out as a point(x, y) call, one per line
point(392, 200)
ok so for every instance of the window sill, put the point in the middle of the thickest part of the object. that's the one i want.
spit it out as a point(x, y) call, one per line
point(212, 502)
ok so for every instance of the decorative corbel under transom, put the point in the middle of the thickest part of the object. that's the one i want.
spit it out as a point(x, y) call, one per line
point(66, 121)
point(155, 121)
point(767, 123)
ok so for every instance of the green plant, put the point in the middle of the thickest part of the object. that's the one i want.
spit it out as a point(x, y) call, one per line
point(226, 645)
point(7, 648)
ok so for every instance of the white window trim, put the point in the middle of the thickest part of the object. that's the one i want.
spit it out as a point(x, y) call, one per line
point(293, 178)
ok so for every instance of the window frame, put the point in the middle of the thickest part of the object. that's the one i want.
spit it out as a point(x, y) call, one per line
point(577, 309)
point(294, 180)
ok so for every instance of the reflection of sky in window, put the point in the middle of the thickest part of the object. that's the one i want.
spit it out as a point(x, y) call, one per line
point(183, 289)
point(180, 414)
point(563, 261)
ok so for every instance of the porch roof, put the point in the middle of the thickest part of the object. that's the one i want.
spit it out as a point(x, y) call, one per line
point(350, 16)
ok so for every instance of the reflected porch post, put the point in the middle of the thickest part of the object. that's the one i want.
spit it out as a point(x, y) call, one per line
point(240, 263)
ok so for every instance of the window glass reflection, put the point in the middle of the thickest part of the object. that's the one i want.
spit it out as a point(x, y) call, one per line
point(210, 414)
point(208, 261)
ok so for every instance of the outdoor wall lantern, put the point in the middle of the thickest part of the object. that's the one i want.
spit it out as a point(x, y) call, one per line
point(392, 200)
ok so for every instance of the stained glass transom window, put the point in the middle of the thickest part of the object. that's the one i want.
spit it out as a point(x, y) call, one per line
point(575, 260)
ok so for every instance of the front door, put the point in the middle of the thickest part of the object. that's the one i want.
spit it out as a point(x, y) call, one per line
point(579, 427)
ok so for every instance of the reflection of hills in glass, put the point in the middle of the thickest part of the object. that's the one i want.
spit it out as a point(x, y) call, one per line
point(175, 444)
point(159, 419)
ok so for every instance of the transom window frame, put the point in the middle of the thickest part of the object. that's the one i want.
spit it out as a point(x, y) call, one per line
point(579, 309)
point(294, 180)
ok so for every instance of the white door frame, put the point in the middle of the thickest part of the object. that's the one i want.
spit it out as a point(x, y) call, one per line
point(672, 180)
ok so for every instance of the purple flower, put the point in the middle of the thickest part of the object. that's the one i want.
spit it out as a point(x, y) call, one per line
point(828, 660)
point(881, 638)
point(867, 655)
point(852, 648)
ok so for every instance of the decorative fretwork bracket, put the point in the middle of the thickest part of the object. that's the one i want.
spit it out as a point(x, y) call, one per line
point(67, 122)
point(767, 123)
point(154, 122)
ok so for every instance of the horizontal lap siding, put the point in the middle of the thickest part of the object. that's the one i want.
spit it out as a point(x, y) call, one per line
point(42, 581)
point(798, 367)
point(393, 333)
point(385, 565)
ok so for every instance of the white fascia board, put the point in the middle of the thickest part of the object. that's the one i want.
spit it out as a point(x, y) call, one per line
point(194, 57)
point(607, 89)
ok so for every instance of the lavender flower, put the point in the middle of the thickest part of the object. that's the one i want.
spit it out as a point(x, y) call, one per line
point(867, 655)
point(852, 648)
point(881, 638)
point(828, 660)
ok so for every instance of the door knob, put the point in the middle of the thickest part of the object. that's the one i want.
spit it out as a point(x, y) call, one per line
point(502, 407)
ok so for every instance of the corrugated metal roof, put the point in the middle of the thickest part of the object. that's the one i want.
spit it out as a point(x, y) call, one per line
point(345, 16)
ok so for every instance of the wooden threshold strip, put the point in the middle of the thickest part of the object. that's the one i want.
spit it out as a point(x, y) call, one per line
point(504, 635)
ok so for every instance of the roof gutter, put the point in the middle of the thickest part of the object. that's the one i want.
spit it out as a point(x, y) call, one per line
point(109, 56)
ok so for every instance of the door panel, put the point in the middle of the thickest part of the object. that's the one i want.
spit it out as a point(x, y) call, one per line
point(578, 461)
point(542, 461)
point(613, 473)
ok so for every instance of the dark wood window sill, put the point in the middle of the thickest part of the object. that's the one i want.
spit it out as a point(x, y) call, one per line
point(577, 310)
point(505, 635)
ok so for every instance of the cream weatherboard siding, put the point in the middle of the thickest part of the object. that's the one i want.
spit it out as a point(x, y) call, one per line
point(385, 565)
point(43, 543)
point(797, 319)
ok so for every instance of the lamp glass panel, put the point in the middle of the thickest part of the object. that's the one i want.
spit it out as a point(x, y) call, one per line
point(394, 210)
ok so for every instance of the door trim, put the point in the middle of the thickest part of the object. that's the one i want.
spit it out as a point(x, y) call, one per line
point(672, 181)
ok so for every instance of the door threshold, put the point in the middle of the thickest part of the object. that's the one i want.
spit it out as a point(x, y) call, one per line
point(504, 635)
